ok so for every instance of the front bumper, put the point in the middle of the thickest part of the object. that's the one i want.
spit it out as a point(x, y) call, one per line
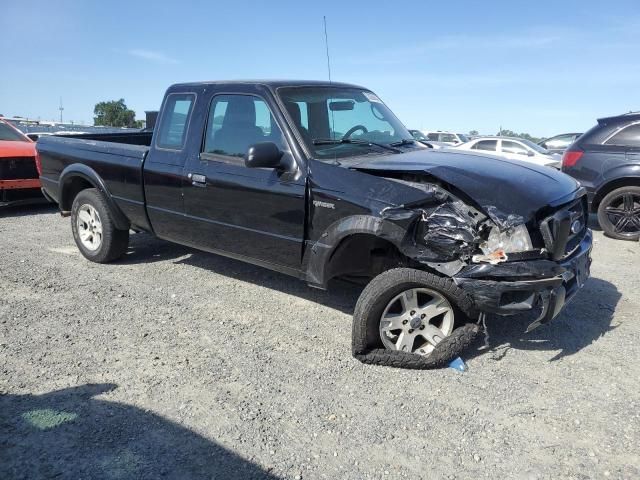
point(513, 287)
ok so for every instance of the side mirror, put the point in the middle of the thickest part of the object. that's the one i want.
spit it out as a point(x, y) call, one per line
point(530, 153)
point(263, 155)
point(33, 136)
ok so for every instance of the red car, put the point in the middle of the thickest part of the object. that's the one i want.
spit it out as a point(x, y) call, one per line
point(19, 178)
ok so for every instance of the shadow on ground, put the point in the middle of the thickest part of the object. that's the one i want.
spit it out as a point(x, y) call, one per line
point(37, 208)
point(144, 248)
point(583, 321)
point(69, 434)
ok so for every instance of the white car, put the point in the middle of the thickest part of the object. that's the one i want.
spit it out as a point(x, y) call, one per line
point(448, 138)
point(513, 149)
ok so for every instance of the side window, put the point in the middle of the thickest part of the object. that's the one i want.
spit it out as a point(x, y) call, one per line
point(433, 136)
point(486, 145)
point(236, 122)
point(175, 121)
point(513, 147)
point(448, 137)
point(628, 137)
point(561, 141)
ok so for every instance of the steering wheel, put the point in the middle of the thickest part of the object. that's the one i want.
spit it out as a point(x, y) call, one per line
point(352, 130)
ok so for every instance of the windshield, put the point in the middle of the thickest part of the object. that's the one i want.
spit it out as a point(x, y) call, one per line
point(463, 138)
point(338, 122)
point(534, 146)
point(10, 134)
point(418, 135)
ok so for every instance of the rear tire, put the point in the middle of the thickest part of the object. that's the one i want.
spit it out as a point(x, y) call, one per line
point(93, 228)
point(367, 341)
point(619, 213)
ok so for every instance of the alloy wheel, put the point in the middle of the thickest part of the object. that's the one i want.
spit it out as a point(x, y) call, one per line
point(623, 211)
point(89, 227)
point(416, 320)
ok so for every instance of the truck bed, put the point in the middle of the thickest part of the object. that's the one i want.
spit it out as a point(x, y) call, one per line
point(117, 159)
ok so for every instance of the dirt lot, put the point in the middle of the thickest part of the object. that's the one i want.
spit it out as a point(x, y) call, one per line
point(179, 364)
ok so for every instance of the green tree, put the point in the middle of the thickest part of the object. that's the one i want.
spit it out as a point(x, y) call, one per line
point(473, 132)
point(114, 113)
point(510, 133)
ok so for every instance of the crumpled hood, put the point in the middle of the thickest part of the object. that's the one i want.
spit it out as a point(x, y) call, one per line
point(511, 187)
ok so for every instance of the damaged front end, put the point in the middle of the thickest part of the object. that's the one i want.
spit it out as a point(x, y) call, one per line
point(506, 264)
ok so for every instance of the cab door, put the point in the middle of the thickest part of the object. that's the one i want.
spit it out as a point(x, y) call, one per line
point(257, 214)
point(164, 165)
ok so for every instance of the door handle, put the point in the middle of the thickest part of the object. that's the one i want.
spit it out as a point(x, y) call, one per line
point(197, 180)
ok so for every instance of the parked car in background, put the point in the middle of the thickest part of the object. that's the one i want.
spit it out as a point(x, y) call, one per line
point(606, 161)
point(448, 138)
point(421, 137)
point(19, 181)
point(513, 149)
point(559, 143)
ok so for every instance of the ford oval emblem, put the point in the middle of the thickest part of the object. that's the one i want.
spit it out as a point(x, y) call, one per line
point(576, 227)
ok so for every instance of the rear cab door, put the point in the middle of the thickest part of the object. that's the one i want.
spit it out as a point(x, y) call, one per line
point(255, 214)
point(164, 165)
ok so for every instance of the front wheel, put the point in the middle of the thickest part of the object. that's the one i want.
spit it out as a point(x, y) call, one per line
point(93, 228)
point(407, 318)
point(619, 213)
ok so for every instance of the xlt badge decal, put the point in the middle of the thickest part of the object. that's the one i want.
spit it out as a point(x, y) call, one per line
point(318, 203)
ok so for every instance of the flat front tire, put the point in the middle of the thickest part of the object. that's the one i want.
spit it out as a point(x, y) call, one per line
point(404, 314)
point(93, 228)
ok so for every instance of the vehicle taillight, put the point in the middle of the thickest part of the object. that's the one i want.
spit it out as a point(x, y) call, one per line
point(38, 162)
point(571, 157)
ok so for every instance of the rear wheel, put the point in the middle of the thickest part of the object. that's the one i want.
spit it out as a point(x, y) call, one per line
point(93, 228)
point(619, 213)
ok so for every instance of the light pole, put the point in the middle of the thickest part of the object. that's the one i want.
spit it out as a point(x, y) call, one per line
point(61, 108)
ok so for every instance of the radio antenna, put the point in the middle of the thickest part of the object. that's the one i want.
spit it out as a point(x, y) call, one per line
point(326, 44)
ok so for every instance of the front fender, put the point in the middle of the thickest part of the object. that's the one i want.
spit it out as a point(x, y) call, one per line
point(65, 192)
point(318, 253)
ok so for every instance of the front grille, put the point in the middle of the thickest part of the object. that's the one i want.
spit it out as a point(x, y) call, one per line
point(563, 231)
point(18, 168)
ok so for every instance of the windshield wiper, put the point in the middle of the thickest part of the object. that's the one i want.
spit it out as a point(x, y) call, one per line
point(352, 141)
point(402, 143)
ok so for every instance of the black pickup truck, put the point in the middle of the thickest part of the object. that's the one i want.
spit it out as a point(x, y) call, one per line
point(320, 180)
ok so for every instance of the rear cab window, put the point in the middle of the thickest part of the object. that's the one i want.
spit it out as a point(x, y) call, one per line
point(174, 124)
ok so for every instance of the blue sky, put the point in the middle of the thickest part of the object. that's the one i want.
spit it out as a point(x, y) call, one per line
point(542, 67)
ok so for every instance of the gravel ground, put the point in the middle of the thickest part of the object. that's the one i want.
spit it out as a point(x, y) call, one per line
point(179, 364)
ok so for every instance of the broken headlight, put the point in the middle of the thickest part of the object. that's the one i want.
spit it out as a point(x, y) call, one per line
point(498, 244)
